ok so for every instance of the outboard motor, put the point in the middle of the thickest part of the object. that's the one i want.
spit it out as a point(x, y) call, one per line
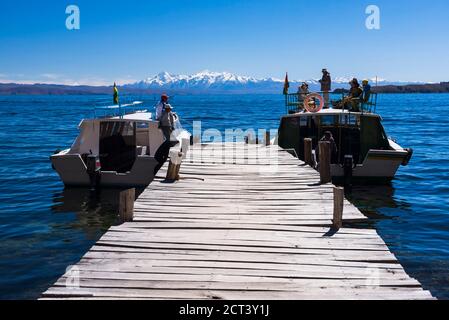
point(93, 170)
point(348, 167)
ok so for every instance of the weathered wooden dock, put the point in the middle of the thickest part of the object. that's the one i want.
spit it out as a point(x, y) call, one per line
point(238, 226)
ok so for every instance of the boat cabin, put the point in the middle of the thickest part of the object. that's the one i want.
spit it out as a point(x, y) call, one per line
point(118, 142)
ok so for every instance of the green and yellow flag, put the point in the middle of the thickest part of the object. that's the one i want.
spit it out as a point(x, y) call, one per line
point(286, 84)
point(116, 101)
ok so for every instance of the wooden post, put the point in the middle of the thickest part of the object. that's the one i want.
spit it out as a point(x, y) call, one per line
point(174, 166)
point(339, 196)
point(194, 140)
point(267, 138)
point(308, 151)
point(126, 205)
point(249, 138)
point(325, 161)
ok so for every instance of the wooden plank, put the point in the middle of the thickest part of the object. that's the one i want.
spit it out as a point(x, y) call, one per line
point(243, 222)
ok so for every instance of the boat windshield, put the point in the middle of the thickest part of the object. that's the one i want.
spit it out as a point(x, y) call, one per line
point(117, 145)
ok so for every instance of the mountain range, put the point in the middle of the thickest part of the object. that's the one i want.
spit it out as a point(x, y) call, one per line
point(207, 82)
point(225, 82)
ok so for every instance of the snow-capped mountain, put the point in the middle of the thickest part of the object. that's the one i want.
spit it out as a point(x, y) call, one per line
point(225, 82)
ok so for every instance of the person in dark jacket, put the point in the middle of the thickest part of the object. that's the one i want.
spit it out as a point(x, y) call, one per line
point(354, 98)
point(326, 84)
point(167, 122)
point(334, 150)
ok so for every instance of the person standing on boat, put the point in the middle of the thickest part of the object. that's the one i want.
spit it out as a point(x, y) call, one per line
point(167, 122)
point(160, 108)
point(326, 84)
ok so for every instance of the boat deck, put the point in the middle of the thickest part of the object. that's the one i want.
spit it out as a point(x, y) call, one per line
point(238, 226)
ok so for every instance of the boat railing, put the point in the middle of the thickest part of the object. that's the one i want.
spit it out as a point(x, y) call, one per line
point(294, 102)
point(370, 104)
point(119, 110)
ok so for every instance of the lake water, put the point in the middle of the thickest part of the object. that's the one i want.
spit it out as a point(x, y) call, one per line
point(44, 227)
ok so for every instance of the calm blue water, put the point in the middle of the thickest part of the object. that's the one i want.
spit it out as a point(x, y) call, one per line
point(44, 228)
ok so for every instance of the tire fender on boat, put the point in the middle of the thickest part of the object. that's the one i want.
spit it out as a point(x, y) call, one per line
point(316, 108)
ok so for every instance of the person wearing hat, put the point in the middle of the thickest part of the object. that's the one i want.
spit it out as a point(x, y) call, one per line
point(167, 122)
point(352, 101)
point(326, 84)
point(161, 106)
point(303, 91)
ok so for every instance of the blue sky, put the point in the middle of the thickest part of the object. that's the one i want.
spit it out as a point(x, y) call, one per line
point(131, 40)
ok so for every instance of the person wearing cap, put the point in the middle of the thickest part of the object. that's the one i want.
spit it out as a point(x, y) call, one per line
point(167, 121)
point(161, 106)
point(366, 87)
point(326, 84)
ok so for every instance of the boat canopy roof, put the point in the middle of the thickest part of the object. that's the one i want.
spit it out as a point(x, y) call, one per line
point(143, 116)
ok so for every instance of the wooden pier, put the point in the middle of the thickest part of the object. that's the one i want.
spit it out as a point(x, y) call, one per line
point(243, 222)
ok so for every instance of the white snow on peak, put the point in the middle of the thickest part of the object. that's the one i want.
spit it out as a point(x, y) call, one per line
point(210, 81)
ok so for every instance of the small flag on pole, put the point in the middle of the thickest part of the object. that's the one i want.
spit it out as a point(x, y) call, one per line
point(286, 84)
point(116, 100)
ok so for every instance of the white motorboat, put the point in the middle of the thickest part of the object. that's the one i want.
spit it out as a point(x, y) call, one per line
point(122, 149)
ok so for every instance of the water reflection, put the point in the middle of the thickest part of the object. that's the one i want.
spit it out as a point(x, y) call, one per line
point(376, 200)
point(95, 211)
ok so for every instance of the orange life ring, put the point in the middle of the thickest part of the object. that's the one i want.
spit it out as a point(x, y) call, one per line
point(313, 108)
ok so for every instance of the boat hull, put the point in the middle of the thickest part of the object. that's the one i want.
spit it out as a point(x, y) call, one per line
point(378, 166)
point(73, 172)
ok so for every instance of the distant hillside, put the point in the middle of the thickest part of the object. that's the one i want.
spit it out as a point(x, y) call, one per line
point(442, 87)
point(50, 89)
point(57, 89)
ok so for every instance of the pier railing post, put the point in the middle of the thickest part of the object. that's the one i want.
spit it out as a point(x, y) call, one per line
point(174, 166)
point(325, 161)
point(308, 151)
point(339, 196)
point(126, 205)
point(267, 138)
